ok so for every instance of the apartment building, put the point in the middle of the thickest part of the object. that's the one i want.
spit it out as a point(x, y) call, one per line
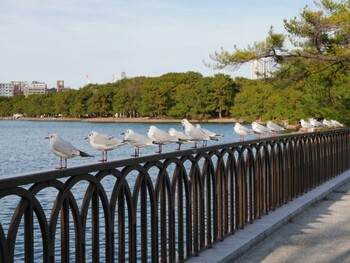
point(262, 68)
point(6, 89)
point(35, 88)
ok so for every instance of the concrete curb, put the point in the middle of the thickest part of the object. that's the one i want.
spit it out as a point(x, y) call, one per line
point(243, 240)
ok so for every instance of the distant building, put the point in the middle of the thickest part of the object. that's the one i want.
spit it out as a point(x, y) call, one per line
point(123, 75)
point(262, 68)
point(18, 86)
point(35, 88)
point(52, 90)
point(6, 89)
point(60, 86)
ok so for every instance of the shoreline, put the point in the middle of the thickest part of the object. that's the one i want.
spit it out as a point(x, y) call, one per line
point(123, 120)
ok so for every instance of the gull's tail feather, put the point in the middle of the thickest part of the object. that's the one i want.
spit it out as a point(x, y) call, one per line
point(84, 154)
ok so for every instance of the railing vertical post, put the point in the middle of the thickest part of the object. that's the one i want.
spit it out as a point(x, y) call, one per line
point(28, 233)
point(65, 243)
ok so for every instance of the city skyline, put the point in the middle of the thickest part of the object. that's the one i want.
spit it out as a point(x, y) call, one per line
point(50, 41)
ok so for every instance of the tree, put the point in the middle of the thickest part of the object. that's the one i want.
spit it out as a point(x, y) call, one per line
point(155, 98)
point(221, 92)
point(101, 102)
point(318, 36)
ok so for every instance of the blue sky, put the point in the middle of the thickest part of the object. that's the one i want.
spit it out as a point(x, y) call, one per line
point(65, 39)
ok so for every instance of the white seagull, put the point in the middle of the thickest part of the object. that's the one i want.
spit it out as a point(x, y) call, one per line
point(337, 123)
point(160, 137)
point(259, 129)
point(306, 125)
point(136, 140)
point(315, 122)
point(194, 133)
point(327, 123)
point(181, 136)
point(64, 149)
point(103, 143)
point(242, 131)
point(273, 127)
point(212, 135)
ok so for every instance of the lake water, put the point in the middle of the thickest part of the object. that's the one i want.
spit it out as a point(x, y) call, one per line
point(24, 149)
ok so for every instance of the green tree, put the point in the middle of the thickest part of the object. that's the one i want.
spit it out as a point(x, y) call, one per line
point(101, 102)
point(155, 98)
point(221, 93)
point(318, 36)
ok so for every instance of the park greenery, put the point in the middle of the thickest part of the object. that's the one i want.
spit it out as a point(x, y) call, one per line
point(311, 79)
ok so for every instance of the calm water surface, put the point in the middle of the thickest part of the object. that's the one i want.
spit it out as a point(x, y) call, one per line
point(24, 149)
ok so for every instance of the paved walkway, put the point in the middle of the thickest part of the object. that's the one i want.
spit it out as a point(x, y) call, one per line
point(313, 228)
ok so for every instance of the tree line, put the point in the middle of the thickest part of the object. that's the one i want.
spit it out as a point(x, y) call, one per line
point(190, 95)
point(174, 95)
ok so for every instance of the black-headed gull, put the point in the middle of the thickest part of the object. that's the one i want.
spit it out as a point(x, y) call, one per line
point(194, 133)
point(273, 127)
point(136, 140)
point(337, 123)
point(212, 135)
point(315, 122)
point(160, 137)
point(103, 143)
point(307, 125)
point(181, 136)
point(242, 131)
point(327, 123)
point(259, 129)
point(64, 149)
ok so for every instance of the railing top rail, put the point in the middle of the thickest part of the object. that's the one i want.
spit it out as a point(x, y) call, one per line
point(42, 176)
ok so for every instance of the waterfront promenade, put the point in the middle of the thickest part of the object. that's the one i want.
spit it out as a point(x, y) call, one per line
point(312, 228)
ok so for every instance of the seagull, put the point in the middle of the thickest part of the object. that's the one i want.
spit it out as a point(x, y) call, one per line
point(337, 123)
point(306, 125)
point(315, 122)
point(194, 133)
point(64, 149)
point(181, 136)
point(273, 127)
point(259, 129)
point(212, 135)
point(242, 131)
point(160, 137)
point(327, 123)
point(136, 140)
point(103, 143)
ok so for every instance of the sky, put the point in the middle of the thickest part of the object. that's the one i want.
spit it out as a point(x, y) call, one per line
point(46, 41)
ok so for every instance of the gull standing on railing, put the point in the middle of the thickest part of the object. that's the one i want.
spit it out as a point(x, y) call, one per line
point(337, 123)
point(273, 127)
point(327, 123)
point(194, 133)
point(242, 131)
point(315, 122)
point(212, 135)
point(259, 129)
point(181, 136)
point(307, 125)
point(160, 137)
point(103, 143)
point(64, 149)
point(136, 140)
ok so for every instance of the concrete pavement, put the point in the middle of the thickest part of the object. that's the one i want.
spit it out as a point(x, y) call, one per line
point(314, 227)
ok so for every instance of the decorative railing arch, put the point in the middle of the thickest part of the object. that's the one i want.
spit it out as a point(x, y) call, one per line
point(161, 208)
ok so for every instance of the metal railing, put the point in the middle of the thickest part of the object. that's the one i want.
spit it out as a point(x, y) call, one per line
point(161, 208)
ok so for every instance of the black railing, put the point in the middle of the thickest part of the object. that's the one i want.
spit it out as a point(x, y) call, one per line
point(161, 208)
